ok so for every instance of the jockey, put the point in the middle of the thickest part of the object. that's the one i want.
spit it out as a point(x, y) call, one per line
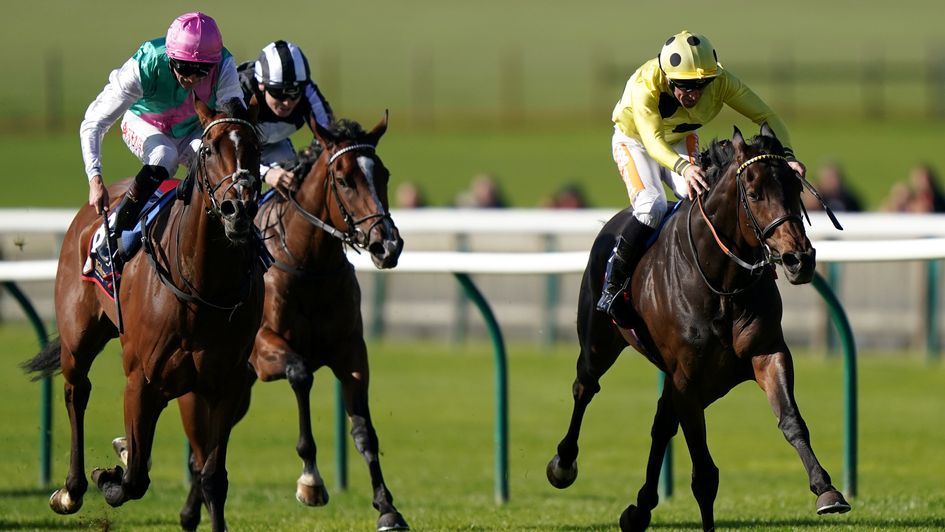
point(153, 92)
point(665, 101)
point(280, 80)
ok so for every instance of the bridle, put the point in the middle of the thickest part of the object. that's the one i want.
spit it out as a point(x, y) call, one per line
point(768, 257)
point(353, 236)
point(239, 178)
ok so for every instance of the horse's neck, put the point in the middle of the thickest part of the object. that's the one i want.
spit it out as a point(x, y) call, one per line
point(724, 210)
point(310, 244)
point(206, 257)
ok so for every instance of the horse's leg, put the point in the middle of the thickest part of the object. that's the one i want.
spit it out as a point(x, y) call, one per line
point(77, 347)
point(665, 425)
point(143, 406)
point(775, 374)
point(600, 346)
point(194, 414)
point(705, 474)
point(354, 384)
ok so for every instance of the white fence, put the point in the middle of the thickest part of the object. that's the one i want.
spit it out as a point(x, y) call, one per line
point(530, 261)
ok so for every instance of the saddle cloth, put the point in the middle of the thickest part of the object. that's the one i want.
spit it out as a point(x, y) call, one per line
point(98, 267)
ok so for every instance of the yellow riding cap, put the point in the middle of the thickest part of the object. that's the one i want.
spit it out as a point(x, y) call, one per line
point(689, 56)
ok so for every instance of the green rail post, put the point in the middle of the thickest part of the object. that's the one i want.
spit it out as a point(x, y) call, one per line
point(45, 390)
point(377, 307)
point(501, 389)
point(833, 280)
point(551, 298)
point(849, 382)
point(341, 448)
point(932, 348)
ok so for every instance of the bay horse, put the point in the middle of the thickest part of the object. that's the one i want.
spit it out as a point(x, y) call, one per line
point(312, 312)
point(705, 309)
point(191, 310)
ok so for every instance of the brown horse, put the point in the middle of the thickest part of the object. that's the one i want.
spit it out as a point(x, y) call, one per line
point(312, 315)
point(705, 310)
point(190, 309)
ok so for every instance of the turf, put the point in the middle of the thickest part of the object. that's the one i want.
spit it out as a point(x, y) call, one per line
point(433, 408)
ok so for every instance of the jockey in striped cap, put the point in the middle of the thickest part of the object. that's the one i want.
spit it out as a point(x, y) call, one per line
point(280, 80)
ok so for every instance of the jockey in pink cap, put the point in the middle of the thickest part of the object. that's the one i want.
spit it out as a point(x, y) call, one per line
point(159, 123)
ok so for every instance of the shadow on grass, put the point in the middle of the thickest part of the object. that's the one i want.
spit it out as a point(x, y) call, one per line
point(813, 522)
point(29, 492)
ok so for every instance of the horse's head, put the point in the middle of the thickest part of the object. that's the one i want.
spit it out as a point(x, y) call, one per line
point(226, 168)
point(770, 196)
point(357, 178)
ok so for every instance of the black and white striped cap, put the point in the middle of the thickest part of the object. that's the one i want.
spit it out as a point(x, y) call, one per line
point(281, 64)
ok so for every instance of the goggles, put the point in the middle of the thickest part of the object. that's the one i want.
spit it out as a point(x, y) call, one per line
point(690, 84)
point(284, 93)
point(188, 68)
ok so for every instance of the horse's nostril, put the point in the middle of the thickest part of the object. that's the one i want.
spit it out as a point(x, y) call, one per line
point(228, 208)
point(790, 260)
point(376, 248)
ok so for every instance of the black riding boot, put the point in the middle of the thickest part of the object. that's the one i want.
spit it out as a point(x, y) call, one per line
point(145, 183)
point(623, 259)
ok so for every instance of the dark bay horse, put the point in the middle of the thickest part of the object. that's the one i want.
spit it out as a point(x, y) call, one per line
point(191, 307)
point(312, 315)
point(704, 308)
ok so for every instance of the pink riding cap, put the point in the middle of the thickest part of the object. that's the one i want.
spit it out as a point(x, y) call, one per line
point(194, 37)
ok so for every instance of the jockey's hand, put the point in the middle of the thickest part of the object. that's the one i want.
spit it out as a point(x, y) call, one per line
point(98, 194)
point(280, 179)
point(695, 180)
point(798, 167)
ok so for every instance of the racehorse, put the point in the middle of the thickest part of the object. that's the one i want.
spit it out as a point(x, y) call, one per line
point(312, 314)
point(704, 308)
point(191, 309)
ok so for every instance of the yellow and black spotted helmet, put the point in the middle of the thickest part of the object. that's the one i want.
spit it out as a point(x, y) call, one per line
point(689, 56)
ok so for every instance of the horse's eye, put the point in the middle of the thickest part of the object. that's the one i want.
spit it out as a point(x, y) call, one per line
point(752, 195)
point(344, 181)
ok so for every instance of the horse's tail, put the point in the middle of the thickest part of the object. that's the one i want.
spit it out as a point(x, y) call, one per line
point(46, 362)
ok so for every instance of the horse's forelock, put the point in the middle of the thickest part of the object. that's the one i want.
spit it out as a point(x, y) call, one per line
point(766, 144)
point(345, 129)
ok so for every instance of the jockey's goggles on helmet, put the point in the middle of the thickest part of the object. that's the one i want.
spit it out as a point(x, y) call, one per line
point(690, 84)
point(285, 93)
point(188, 68)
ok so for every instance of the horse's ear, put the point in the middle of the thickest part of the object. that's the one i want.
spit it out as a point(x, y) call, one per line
point(375, 135)
point(766, 131)
point(204, 113)
point(324, 136)
point(738, 140)
point(252, 109)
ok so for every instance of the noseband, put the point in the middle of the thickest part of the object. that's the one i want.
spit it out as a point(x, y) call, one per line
point(768, 256)
point(352, 236)
point(240, 178)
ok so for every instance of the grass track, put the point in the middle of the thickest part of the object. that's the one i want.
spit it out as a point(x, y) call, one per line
point(439, 461)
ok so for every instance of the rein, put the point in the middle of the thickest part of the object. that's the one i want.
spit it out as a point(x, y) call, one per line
point(237, 179)
point(768, 257)
point(352, 237)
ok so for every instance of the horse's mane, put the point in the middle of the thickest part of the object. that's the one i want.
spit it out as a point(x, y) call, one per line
point(720, 154)
point(345, 129)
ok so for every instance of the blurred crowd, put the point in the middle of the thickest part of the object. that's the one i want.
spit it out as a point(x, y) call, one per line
point(920, 192)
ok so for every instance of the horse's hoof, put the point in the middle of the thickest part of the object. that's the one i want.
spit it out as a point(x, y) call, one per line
point(101, 476)
point(392, 521)
point(633, 519)
point(62, 503)
point(308, 495)
point(120, 444)
point(832, 502)
point(558, 476)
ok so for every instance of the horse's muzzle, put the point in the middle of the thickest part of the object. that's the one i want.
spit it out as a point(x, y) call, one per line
point(237, 218)
point(799, 266)
point(385, 252)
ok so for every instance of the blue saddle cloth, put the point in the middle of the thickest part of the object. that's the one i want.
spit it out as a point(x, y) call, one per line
point(102, 270)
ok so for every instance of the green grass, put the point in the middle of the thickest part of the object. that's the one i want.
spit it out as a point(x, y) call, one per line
point(433, 408)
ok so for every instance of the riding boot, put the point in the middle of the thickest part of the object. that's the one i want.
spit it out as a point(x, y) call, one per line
point(627, 252)
point(128, 210)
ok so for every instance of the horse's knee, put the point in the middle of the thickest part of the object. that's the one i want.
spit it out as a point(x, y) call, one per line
point(365, 439)
point(298, 376)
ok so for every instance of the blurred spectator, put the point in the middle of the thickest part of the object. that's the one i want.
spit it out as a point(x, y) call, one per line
point(409, 196)
point(900, 199)
point(832, 185)
point(484, 193)
point(569, 196)
point(926, 190)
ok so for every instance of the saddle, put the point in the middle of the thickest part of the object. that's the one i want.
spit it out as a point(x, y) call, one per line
point(102, 269)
